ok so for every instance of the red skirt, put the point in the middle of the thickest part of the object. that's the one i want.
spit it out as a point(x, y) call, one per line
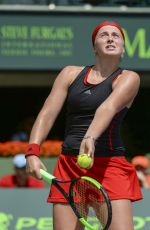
point(116, 175)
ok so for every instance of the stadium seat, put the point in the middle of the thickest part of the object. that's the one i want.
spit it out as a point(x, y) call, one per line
point(126, 2)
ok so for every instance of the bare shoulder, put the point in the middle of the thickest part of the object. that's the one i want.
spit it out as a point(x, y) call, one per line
point(130, 75)
point(69, 73)
point(72, 69)
point(126, 87)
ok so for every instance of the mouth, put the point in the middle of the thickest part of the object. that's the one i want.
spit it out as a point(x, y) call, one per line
point(110, 47)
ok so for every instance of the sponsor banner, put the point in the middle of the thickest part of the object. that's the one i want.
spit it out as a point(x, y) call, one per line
point(44, 41)
point(27, 209)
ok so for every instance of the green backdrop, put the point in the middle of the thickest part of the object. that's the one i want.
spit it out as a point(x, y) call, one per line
point(51, 40)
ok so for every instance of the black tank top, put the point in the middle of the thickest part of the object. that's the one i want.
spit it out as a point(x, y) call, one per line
point(82, 102)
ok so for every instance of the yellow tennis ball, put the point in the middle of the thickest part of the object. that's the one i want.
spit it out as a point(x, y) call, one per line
point(84, 161)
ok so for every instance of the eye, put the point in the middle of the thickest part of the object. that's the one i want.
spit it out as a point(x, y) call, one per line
point(103, 35)
point(116, 35)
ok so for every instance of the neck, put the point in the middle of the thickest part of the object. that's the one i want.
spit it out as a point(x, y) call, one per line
point(106, 66)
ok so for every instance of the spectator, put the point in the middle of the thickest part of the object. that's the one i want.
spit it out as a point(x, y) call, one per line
point(20, 178)
point(23, 129)
point(19, 136)
point(141, 164)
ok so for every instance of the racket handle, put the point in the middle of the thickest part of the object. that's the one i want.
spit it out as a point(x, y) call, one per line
point(47, 177)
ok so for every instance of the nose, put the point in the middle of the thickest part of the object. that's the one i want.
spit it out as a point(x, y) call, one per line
point(110, 39)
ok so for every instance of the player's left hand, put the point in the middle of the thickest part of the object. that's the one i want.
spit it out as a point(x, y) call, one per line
point(87, 146)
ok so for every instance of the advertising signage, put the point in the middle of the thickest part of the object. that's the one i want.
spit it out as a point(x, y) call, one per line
point(22, 209)
point(43, 41)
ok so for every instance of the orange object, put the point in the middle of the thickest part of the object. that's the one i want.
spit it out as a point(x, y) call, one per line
point(141, 161)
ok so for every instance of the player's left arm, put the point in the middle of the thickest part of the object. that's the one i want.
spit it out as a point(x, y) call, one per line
point(124, 91)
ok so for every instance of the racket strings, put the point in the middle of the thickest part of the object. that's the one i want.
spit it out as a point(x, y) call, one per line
point(90, 203)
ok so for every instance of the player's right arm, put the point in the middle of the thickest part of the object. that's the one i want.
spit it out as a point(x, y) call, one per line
point(48, 115)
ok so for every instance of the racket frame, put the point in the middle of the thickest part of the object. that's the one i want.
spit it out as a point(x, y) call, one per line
point(50, 179)
point(108, 202)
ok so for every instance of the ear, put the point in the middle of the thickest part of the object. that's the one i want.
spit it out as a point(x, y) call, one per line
point(122, 55)
point(94, 50)
point(123, 51)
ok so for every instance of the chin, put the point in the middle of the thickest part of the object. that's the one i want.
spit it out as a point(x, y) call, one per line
point(111, 54)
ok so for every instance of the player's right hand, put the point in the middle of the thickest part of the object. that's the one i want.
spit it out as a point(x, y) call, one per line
point(33, 166)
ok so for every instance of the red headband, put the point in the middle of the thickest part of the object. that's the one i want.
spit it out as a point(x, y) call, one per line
point(106, 23)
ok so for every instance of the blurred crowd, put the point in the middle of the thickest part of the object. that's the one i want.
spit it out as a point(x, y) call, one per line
point(142, 165)
point(20, 179)
point(80, 2)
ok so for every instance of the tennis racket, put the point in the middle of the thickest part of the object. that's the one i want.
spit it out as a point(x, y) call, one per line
point(87, 198)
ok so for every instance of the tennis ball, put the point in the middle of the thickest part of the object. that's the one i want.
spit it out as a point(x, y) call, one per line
point(84, 161)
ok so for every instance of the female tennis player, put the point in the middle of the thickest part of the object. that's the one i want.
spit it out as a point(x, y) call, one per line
point(98, 97)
